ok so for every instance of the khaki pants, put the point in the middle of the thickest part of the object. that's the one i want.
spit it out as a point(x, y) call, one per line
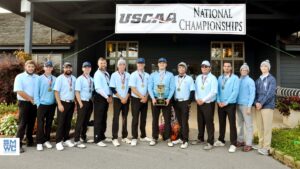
point(264, 119)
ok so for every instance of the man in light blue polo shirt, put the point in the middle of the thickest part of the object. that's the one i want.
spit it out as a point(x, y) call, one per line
point(184, 94)
point(121, 93)
point(45, 100)
point(228, 89)
point(138, 84)
point(166, 78)
point(102, 99)
point(24, 86)
point(206, 93)
point(64, 90)
point(84, 88)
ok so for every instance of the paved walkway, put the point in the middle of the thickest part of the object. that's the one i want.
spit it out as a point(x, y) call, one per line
point(143, 156)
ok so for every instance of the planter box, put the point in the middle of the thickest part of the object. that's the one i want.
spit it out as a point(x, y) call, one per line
point(292, 120)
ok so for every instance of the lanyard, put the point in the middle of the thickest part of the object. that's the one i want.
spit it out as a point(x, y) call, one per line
point(224, 80)
point(89, 81)
point(49, 81)
point(142, 77)
point(106, 76)
point(180, 80)
point(203, 79)
point(70, 82)
point(162, 76)
point(122, 78)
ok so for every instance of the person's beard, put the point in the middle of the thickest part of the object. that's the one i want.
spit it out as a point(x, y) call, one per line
point(29, 73)
point(68, 73)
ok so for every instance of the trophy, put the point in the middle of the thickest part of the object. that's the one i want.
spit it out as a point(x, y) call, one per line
point(160, 100)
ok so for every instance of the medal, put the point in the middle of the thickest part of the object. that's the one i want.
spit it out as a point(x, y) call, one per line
point(70, 83)
point(180, 80)
point(123, 76)
point(178, 89)
point(142, 79)
point(49, 89)
point(89, 82)
point(123, 87)
point(49, 82)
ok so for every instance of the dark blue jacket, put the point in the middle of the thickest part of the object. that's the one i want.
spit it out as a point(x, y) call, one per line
point(266, 95)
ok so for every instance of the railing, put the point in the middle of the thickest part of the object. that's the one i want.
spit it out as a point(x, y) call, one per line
point(286, 92)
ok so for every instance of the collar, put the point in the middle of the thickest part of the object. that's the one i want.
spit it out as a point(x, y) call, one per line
point(263, 76)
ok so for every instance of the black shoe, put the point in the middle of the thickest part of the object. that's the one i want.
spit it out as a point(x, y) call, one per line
point(22, 150)
point(29, 144)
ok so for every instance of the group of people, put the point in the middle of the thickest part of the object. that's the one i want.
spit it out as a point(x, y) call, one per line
point(38, 97)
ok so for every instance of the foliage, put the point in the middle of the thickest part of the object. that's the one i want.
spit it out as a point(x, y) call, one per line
point(8, 125)
point(287, 141)
point(22, 56)
point(284, 104)
point(7, 108)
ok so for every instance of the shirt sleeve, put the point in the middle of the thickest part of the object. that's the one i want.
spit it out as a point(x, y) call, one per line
point(78, 84)
point(235, 92)
point(57, 86)
point(172, 86)
point(150, 86)
point(132, 80)
point(37, 90)
point(18, 84)
point(252, 93)
point(196, 88)
point(112, 82)
point(192, 84)
point(214, 90)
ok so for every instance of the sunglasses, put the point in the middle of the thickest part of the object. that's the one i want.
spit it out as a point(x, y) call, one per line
point(204, 66)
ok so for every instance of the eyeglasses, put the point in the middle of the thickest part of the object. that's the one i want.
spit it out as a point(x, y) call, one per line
point(204, 66)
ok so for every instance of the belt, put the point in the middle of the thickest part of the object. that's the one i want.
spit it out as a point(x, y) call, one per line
point(85, 100)
point(181, 100)
point(68, 101)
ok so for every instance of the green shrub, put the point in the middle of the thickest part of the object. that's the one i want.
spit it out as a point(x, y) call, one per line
point(8, 125)
point(7, 108)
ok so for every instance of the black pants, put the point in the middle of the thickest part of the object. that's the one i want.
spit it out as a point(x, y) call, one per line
point(83, 117)
point(155, 120)
point(205, 117)
point(118, 107)
point(45, 115)
point(138, 109)
point(182, 114)
point(229, 110)
point(64, 122)
point(100, 117)
point(27, 116)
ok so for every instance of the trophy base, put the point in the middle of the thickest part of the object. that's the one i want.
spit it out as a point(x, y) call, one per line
point(160, 102)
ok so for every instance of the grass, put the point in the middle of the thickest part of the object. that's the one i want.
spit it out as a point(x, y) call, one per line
point(287, 141)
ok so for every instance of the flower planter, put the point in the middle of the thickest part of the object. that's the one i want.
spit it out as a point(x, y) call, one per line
point(293, 119)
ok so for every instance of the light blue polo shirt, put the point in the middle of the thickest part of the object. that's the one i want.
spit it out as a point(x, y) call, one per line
point(139, 80)
point(26, 83)
point(228, 89)
point(65, 85)
point(184, 86)
point(44, 93)
point(101, 82)
point(116, 82)
point(85, 85)
point(168, 80)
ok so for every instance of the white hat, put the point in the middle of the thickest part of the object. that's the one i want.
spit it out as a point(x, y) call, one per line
point(121, 61)
point(182, 64)
point(266, 63)
point(205, 62)
point(245, 66)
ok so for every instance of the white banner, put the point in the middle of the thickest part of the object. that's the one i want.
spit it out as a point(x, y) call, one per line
point(181, 18)
point(9, 146)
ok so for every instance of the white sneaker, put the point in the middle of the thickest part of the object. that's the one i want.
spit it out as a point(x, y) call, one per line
point(48, 145)
point(145, 139)
point(232, 149)
point(116, 142)
point(69, 143)
point(126, 140)
point(178, 141)
point(133, 142)
point(256, 147)
point(108, 140)
point(153, 142)
point(90, 141)
point(208, 147)
point(59, 146)
point(184, 145)
point(219, 144)
point(169, 142)
point(79, 145)
point(39, 147)
point(101, 144)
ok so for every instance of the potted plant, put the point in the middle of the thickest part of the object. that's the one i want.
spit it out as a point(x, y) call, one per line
point(289, 107)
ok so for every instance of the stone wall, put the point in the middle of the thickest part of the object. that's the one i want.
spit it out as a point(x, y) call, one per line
point(12, 32)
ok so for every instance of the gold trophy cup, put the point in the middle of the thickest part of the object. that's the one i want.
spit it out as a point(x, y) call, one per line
point(160, 100)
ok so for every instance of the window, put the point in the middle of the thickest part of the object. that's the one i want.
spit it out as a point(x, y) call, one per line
point(56, 58)
point(128, 50)
point(233, 52)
